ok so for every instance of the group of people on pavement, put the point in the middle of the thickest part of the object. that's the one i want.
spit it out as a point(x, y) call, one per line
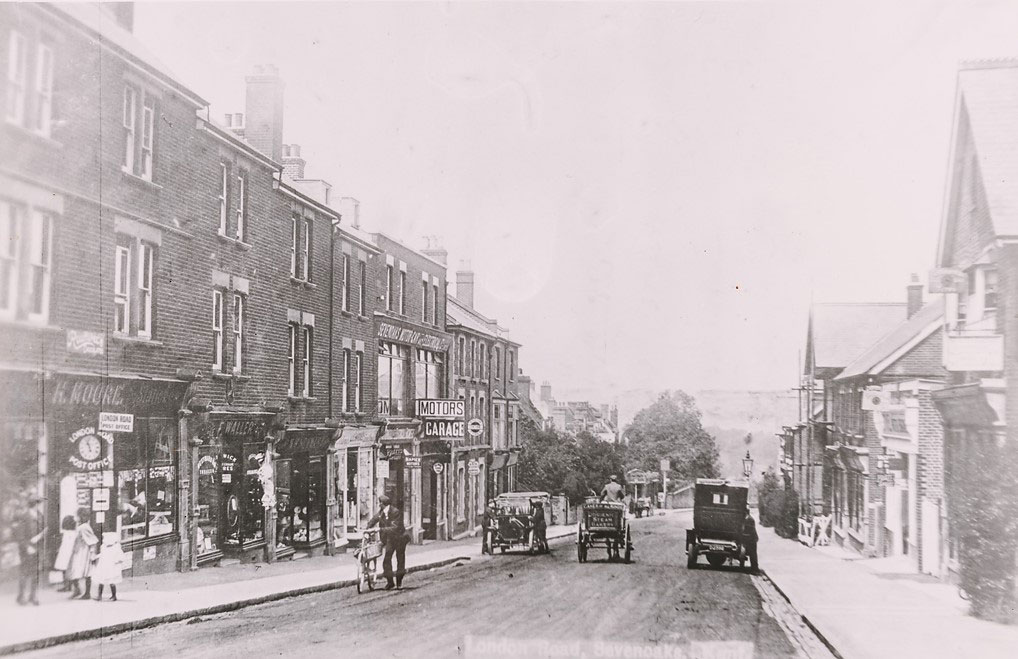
point(80, 559)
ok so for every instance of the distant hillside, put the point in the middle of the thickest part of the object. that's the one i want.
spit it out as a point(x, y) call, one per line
point(730, 415)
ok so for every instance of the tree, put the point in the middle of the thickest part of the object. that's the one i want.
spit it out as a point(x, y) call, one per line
point(671, 428)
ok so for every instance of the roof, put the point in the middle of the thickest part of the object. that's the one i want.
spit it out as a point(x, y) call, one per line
point(98, 22)
point(377, 235)
point(894, 344)
point(458, 313)
point(988, 93)
point(838, 333)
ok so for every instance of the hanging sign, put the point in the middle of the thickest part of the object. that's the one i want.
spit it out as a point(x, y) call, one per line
point(413, 462)
point(432, 408)
point(115, 422)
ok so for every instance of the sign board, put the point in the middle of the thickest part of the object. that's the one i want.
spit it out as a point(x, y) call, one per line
point(440, 428)
point(885, 480)
point(101, 499)
point(434, 408)
point(666, 464)
point(114, 422)
point(475, 427)
point(438, 467)
point(413, 462)
point(873, 400)
point(413, 337)
point(86, 343)
point(473, 467)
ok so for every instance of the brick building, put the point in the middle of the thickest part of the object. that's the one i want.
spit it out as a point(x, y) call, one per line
point(873, 467)
point(977, 270)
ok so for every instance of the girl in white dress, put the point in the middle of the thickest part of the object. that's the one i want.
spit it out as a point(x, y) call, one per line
point(109, 566)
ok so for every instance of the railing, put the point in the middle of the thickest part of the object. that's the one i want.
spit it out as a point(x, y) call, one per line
point(815, 532)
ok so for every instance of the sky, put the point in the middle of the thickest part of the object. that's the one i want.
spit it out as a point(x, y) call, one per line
point(650, 194)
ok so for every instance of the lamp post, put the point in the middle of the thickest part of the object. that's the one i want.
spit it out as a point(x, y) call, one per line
point(747, 465)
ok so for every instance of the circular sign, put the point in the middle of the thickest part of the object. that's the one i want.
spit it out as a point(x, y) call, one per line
point(475, 427)
point(438, 467)
point(473, 467)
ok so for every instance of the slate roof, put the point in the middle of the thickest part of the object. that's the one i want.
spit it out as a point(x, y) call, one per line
point(460, 314)
point(98, 22)
point(922, 324)
point(841, 332)
point(988, 91)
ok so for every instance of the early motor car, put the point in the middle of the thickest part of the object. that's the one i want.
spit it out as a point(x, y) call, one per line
point(513, 527)
point(719, 512)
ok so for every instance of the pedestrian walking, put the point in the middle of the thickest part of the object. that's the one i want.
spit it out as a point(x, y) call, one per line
point(28, 533)
point(109, 565)
point(63, 559)
point(393, 535)
point(749, 539)
point(80, 565)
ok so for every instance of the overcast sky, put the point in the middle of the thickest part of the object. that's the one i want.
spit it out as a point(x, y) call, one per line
point(649, 194)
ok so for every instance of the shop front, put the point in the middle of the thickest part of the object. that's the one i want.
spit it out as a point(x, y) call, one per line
point(397, 471)
point(234, 485)
point(301, 463)
point(498, 479)
point(353, 481)
point(107, 445)
point(435, 460)
point(469, 465)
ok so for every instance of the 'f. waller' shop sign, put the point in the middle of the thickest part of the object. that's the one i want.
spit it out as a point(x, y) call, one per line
point(412, 336)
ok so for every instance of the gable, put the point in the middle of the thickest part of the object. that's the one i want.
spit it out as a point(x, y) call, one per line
point(969, 227)
point(924, 360)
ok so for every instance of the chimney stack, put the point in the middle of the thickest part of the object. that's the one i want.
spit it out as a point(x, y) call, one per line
point(465, 284)
point(293, 164)
point(264, 129)
point(915, 295)
point(545, 391)
point(434, 250)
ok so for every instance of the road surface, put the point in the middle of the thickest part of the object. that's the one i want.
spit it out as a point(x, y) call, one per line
point(507, 605)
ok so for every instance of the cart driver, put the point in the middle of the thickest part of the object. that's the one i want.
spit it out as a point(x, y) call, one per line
point(612, 491)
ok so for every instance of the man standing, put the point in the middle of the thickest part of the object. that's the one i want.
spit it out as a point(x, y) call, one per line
point(488, 526)
point(393, 535)
point(612, 491)
point(749, 539)
point(28, 532)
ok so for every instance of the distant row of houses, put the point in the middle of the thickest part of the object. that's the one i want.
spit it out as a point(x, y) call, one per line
point(907, 409)
point(600, 421)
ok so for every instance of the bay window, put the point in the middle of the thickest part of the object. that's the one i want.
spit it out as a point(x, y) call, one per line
point(391, 383)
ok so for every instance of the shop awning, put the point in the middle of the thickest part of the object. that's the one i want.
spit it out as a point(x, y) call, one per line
point(400, 433)
point(965, 405)
point(498, 460)
point(353, 436)
point(315, 441)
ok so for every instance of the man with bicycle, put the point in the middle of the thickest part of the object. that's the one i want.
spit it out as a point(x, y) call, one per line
point(393, 534)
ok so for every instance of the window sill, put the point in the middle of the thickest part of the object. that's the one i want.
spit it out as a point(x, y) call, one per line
point(301, 399)
point(348, 314)
point(219, 375)
point(236, 242)
point(362, 317)
point(32, 135)
point(144, 182)
point(310, 285)
point(296, 281)
point(137, 340)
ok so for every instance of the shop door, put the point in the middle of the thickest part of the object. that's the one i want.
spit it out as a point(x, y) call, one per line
point(429, 505)
point(394, 484)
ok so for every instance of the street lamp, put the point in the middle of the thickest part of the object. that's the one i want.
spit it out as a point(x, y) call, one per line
point(747, 465)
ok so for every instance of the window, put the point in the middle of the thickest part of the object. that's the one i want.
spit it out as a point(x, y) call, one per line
point(460, 357)
point(719, 499)
point(133, 288)
point(472, 368)
point(345, 398)
point(306, 364)
point(391, 382)
point(345, 290)
point(424, 301)
point(388, 288)
point(241, 207)
point(130, 98)
point(139, 154)
point(16, 67)
point(144, 290)
point(358, 372)
point(25, 262)
point(148, 114)
point(39, 244)
point(9, 259)
point(990, 290)
point(146, 480)
point(484, 361)
point(223, 185)
point(428, 374)
point(402, 293)
point(434, 306)
point(121, 290)
point(512, 366)
point(498, 362)
point(306, 254)
point(291, 357)
point(44, 89)
point(238, 333)
point(364, 287)
point(217, 330)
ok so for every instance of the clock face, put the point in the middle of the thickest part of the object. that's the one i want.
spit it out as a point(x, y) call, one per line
point(90, 447)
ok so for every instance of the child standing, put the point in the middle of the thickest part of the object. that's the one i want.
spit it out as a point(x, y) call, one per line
point(63, 560)
point(109, 565)
point(80, 565)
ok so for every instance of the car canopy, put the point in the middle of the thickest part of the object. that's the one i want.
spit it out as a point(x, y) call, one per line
point(719, 507)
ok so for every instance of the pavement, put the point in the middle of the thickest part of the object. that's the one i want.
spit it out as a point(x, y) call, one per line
point(878, 607)
point(156, 599)
point(511, 605)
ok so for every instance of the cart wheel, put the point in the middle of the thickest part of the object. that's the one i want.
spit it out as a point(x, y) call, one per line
point(691, 553)
point(581, 551)
point(372, 573)
point(716, 560)
point(629, 547)
point(361, 583)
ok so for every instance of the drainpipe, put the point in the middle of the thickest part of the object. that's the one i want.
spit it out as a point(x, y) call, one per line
point(332, 303)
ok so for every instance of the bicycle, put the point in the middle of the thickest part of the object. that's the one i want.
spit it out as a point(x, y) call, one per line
point(367, 554)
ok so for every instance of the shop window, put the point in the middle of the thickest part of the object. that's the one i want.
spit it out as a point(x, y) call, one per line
point(460, 492)
point(307, 498)
point(146, 480)
point(284, 505)
point(243, 514)
point(391, 381)
point(208, 510)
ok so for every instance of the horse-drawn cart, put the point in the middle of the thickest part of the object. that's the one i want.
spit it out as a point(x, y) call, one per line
point(604, 525)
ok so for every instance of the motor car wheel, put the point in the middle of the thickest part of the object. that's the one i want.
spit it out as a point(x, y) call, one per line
point(716, 560)
point(691, 553)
